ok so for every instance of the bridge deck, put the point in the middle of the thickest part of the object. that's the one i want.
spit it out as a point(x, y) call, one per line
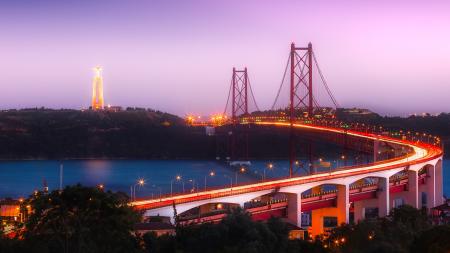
point(422, 153)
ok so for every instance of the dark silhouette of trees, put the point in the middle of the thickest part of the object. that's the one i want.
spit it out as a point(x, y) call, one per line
point(236, 233)
point(406, 229)
point(80, 219)
point(433, 240)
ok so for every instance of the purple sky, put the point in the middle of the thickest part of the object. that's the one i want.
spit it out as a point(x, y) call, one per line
point(177, 56)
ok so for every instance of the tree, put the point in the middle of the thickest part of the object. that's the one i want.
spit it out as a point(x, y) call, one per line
point(236, 233)
point(80, 219)
point(433, 240)
point(394, 233)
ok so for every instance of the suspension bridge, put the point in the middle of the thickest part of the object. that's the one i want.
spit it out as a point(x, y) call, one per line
point(411, 174)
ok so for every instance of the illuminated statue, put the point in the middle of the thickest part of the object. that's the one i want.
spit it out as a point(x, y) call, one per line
point(97, 89)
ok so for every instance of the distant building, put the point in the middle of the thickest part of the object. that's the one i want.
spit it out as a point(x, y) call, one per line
point(9, 210)
point(354, 114)
point(441, 214)
point(296, 233)
point(113, 108)
point(159, 225)
point(97, 90)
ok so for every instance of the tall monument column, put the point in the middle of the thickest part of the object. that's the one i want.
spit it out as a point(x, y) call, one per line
point(97, 89)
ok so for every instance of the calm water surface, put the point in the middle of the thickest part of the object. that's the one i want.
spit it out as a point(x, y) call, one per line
point(21, 178)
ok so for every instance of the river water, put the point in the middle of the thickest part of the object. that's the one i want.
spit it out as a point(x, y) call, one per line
point(21, 178)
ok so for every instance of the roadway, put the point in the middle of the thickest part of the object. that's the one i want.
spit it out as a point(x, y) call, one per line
point(422, 152)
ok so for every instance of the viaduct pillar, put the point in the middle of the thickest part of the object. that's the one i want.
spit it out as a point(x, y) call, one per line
point(413, 189)
point(294, 212)
point(383, 196)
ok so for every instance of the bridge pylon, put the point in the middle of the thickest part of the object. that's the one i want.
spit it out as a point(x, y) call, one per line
point(239, 135)
point(301, 91)
point(239, 104)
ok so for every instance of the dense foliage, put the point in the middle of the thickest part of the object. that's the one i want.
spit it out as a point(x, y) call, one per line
point(81, 219)
point(59, 134)
point(131, 134)
point(406, 229)
point(78, 219)
point(236, 233)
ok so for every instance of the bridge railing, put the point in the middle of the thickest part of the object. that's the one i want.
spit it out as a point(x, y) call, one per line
point(234, 189)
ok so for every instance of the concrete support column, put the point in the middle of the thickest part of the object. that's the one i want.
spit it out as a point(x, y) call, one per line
point(294, 213)
point(439, 191)
point(430, 183)
point(343, 203)
point(383, 196)
point(413, 189)
point(359, 210)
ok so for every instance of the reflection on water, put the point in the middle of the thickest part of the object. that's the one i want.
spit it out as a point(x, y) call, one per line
point(20, 178)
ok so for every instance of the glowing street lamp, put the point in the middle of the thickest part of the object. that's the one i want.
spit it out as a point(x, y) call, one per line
point(140, 183)
point(211, 174)
point(270, 167)
point(193, 184)
point(241, 170)
point(177, 178)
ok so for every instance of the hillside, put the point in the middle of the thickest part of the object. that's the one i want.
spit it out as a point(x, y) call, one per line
point(133, 133)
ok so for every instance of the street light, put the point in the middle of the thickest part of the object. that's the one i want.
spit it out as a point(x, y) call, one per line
point(160, 191)
point(242, 170)
point(262, 177)
point(193, 184)
point(211, 174)
point(140, 182)
point(177, 178)
point(231, 180)
point(343, 159)
point(270, 167)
